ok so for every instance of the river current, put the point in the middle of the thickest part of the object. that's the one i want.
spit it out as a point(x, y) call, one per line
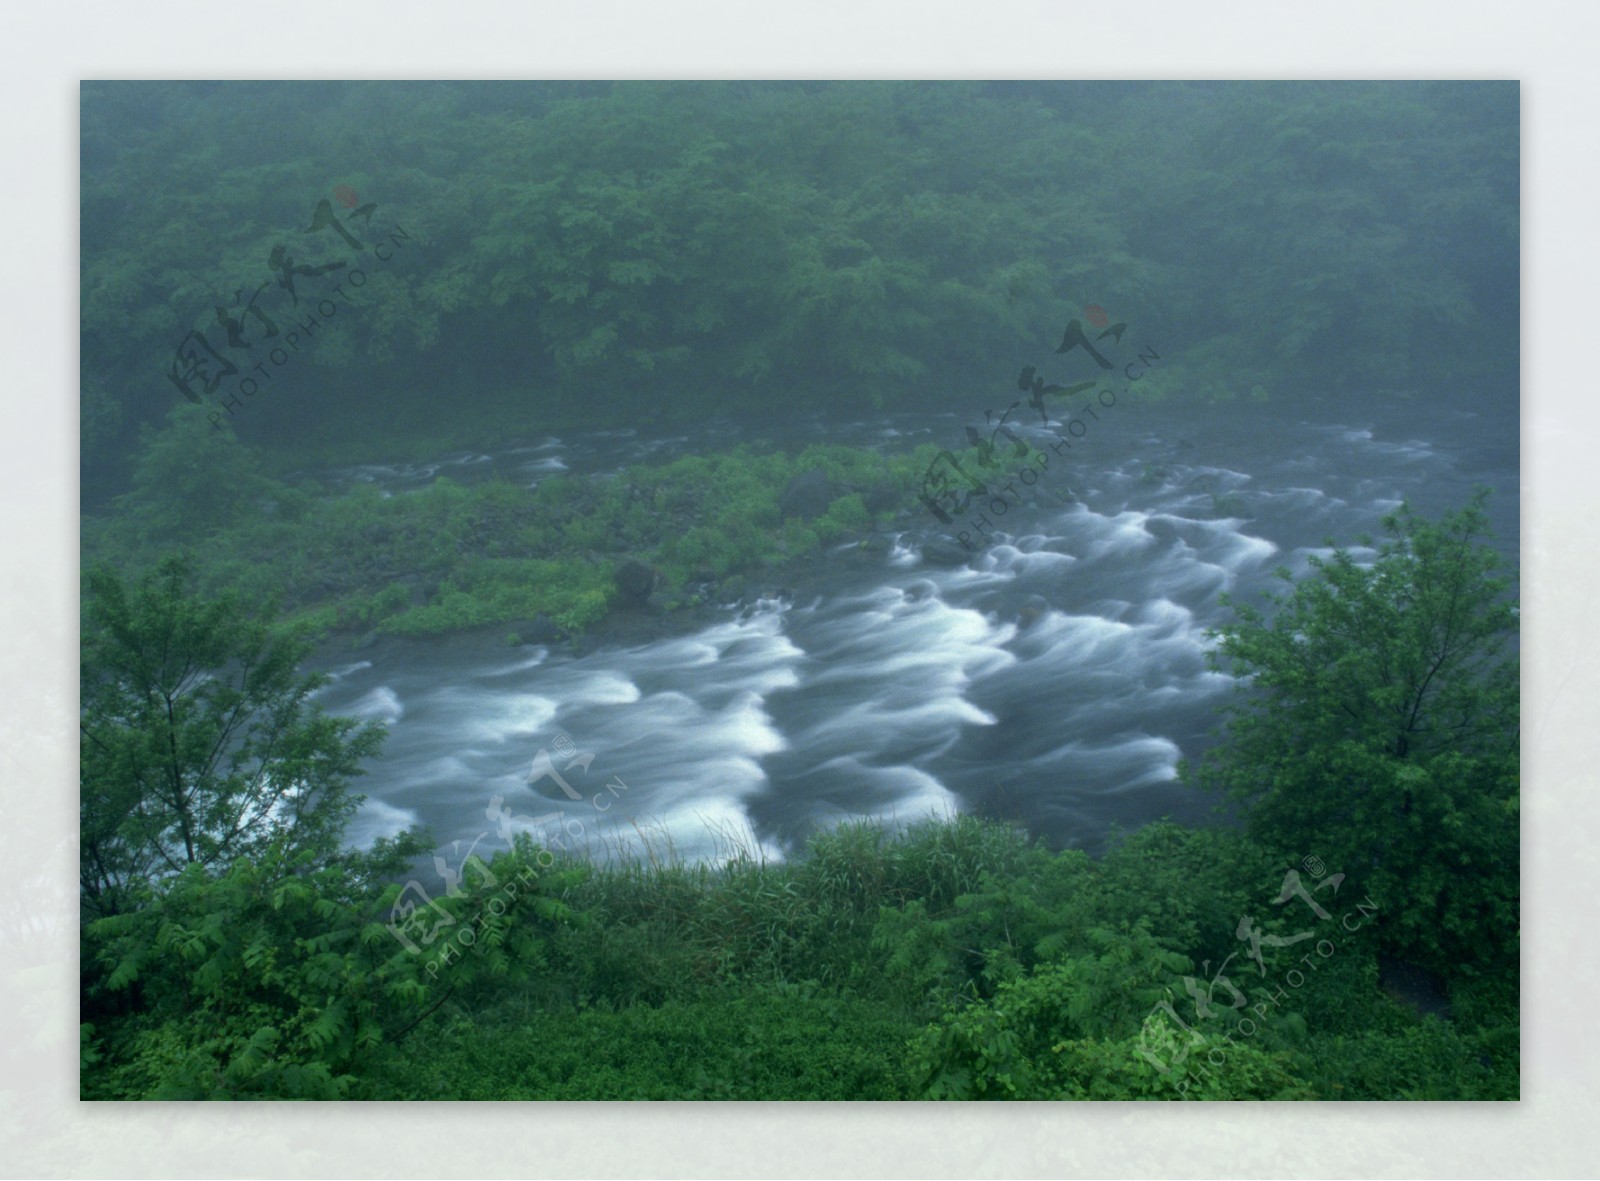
point(1055, 680)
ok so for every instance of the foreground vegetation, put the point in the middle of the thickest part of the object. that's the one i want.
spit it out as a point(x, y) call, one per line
point(957, 961)
point(232, 948)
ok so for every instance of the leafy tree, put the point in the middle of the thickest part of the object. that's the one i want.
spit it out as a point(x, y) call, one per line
point(283, 978)
point(190, 478)
point(200, 745)
point(1381, 731)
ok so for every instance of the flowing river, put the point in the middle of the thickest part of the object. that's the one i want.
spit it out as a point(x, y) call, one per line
point(1055, 680)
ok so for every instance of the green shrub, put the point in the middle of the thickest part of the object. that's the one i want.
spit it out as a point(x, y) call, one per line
point(573, 592)
point(281, 979)
point(756, 1044)
point(844, 515)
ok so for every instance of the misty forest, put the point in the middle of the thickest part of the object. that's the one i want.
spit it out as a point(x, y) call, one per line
point(799, 590)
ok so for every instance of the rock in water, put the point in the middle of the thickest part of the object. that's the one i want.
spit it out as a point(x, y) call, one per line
point(634, 582)
point(881, 498)
point(539, 630)
point(1163, 531)
point(1032, 611)
point(938, 552)
point(807, 496)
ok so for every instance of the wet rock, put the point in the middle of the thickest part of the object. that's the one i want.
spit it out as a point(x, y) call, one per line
point(634, 582)
point(539, 630)
point(881, 498)
point(939, 552)
point(1035, 608)
point(1162, 530)
point(807, 496)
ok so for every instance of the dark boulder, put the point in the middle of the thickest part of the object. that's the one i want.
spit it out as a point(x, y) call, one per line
point(881, 498)
point(939, 552)
point(539, 630)
point(1033, 609)
point(807, 496)
point(1162, 530)
point(634, 582)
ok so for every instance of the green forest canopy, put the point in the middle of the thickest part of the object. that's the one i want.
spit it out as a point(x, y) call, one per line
point(599, 252)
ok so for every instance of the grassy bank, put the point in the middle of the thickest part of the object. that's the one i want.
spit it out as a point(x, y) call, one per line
point(544, 562)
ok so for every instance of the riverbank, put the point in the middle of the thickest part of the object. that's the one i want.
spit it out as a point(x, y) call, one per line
point(549, 561)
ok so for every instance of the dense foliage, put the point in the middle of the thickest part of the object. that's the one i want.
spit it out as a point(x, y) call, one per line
point(200, 746)
point(1392, 731)
point(611, 253)
point(955, 962)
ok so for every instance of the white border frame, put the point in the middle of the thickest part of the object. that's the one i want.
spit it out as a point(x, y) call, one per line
point(47, 1132)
